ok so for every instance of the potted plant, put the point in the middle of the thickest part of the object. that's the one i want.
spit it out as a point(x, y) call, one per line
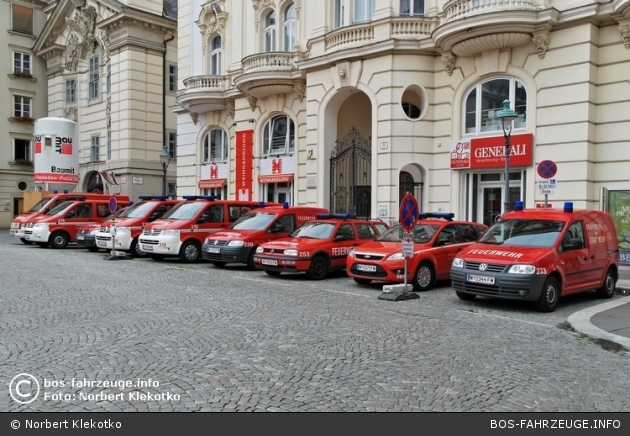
point(25, 120)
point(22, 74)
point(23, 162)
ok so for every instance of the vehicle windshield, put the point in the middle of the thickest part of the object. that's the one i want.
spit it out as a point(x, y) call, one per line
point(254, 221)
point(314, 230)
point(138, 210)
point(422, 233)
point(40, 205)
point(523, 233)
point(60, 208)
point(185, 211)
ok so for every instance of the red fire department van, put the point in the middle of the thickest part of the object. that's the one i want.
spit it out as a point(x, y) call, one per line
point(238, 244)
point(316, 247)
point(130, 224)
point(59, 226)
point(44, 205)
point(539, 255)
point(437, 239)
point(181, 231)
point(86, 235)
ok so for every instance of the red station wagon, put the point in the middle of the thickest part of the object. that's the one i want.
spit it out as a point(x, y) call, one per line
point(437, 239)
point(317, 247)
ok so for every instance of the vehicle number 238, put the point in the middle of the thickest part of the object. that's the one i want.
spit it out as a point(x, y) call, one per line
point(542, 271)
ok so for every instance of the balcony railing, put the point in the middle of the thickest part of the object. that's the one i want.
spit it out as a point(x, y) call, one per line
point(412, 27)
point(456, 9)
point(209, 83)
point(362, 33)
point(269, 61)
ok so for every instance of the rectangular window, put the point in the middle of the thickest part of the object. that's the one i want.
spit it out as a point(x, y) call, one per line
point(22, 19)
point(94, 149)
point(171, 144)
point(71, 91)
point(109, 145)
point(363, 10)
point(22, 149)
point(21, 106)
point(93, 78)
point(412, 7)
point(172, 78)
point(21, 63)
point(339, 13)
point(171, 189)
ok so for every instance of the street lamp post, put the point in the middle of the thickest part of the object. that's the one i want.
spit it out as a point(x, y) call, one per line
point(507, 115)
point(165, 158)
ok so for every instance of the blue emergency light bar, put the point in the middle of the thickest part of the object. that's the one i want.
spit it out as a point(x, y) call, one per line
point(154, 197)
point(285, 204)
point(199, 197)
point(55, 192)
point(518, 205)
point(65, 191)
point(568, 206)
point(261, 204)
point(445, 215)
point(340, 216)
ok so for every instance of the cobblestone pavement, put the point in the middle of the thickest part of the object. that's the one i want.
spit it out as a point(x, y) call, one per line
point(199, 338)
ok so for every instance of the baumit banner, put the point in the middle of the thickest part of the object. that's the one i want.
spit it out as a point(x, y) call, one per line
point(56, 151)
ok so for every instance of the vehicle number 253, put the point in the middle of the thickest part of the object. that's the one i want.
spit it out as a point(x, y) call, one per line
point(541, 271)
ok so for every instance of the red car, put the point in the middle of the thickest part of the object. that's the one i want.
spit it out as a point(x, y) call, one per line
point(437, 239)
point(317, 247)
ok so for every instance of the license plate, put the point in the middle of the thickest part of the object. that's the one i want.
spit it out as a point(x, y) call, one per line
point(485, 280)
point(101, 243)
point(366, 268)
point(269, 262)
point(147, 247)
point(80, 238)
point(213, 250)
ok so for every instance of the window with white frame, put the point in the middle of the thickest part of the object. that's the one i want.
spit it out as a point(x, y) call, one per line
point(215, 146)
point(339, 11)
point(412, 7)
point(288, 27)
point(363, 10)
point(171, 143)
point(21, 63)
point(485, 100)
point(172, 78)
point(22, 19)
point(215, 56)
point(109, 145)
point(94, 149)
point(22, 149)
point(279, 136)
point(93, 91)
point(21, 106)
point(71, 91)
point(270, 32)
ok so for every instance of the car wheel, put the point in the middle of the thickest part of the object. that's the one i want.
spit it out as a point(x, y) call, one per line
point(93, 249)
point(362, 281)
point(58, 240)
point(157, 256)
point(26, 241)
point(218, 264)
point(318, 269)
point(250, 261)
point(189, 252)
point(608, 287)
point(424, 277)
point(549, 296)
point(464, 296)
point(272, 273)
point(135, 250)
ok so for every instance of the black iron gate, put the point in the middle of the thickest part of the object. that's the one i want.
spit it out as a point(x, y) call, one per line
point(351, 175)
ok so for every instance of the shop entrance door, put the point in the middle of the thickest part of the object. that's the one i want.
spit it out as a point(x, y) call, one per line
point(491, 204)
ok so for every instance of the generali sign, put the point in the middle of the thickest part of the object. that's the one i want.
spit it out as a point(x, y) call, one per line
point(489, 152)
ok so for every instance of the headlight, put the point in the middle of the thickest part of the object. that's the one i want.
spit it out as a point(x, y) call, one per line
point(41, 225)
point(170, 232)
point(123, 229)
point(522, 269)
point(290, 252)
point(93, 232)
point(259, 249)
point(236, 243)
point(458, 262)
point(396, 256)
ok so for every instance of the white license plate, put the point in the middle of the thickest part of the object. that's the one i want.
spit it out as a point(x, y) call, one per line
point(80, 238)
point(213, 250)
point(366, 268)
point(480, 279)
point(147, 247)
point(101, 243)
point(269, 262)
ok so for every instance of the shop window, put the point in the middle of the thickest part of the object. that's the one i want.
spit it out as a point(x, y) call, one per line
point(215, 146)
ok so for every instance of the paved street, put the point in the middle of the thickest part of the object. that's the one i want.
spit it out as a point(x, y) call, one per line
point(198, 338)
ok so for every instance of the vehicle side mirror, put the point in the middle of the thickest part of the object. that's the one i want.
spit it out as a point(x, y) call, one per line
point(574, 244)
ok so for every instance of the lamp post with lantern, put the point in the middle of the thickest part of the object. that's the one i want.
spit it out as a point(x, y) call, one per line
point(507, 115)
point(165, 159)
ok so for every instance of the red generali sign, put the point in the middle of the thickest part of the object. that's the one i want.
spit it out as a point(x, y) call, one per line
point(489, 152)
point(244, 164)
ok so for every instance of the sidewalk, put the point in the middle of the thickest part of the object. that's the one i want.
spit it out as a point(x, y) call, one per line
point(610, 320)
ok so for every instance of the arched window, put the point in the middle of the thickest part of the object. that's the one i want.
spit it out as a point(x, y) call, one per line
point(484, 102)
point(215, 57)
point(363, 10)
point(288, 27)
point(270, 31)
point(215, 146)
point(279, 136)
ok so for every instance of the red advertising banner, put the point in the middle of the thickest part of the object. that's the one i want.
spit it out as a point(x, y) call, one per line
point(489, 152)
point(244, 164)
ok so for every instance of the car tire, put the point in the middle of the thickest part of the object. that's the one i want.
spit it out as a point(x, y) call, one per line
point(58, 240)
point(318, 268)
point(272, 273)
point(550, 295)
point(424, 277)
point(362, 281)
point(26, 241)
point(134, 249)
point(218, 264)
point(190, 252)
point(93, 249)
point(250, 260)
point(157, 256)
point(464, 296)
point(608, 287)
